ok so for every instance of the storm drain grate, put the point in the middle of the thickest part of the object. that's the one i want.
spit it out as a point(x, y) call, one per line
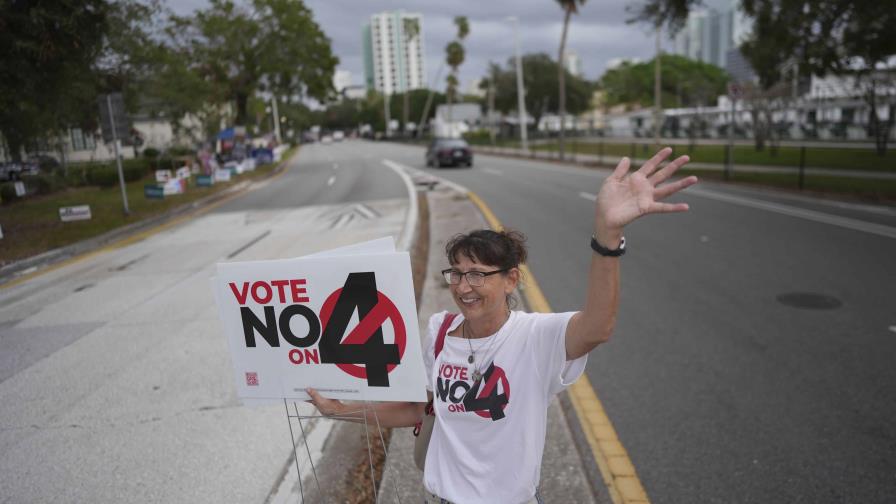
point(809, 301)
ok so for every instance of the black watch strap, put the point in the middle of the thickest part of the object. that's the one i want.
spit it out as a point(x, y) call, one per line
point(600, 249)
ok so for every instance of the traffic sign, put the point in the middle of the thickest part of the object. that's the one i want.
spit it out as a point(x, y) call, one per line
point(112, 113)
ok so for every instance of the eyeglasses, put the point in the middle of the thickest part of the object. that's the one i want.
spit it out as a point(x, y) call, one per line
point(474, 278)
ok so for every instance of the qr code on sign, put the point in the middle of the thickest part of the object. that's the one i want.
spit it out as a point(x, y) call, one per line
point(252, 379)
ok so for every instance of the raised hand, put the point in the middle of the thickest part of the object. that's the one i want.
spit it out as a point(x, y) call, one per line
point(623, 198)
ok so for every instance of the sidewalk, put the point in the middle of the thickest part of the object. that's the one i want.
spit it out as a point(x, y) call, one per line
point(719, 167)
point(564, 477)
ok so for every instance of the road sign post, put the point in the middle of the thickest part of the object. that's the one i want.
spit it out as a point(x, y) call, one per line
point(112, 105)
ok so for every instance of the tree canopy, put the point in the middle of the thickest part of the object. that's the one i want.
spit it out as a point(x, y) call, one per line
point(540, 80)
point(270, 46)
point(685, 82)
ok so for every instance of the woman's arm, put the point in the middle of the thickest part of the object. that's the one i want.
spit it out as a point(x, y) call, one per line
point(387, 414)
point(621, 200)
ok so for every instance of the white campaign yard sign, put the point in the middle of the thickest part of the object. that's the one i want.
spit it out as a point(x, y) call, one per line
point(343, 323)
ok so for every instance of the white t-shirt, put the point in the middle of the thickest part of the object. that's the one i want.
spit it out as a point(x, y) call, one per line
point(488, 441)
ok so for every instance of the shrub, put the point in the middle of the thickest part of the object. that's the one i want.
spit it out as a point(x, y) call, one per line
point(8, 193)
point(43, 183)
point(180, 151)
point(150, 153)
point(107, 175)
point(477, 137)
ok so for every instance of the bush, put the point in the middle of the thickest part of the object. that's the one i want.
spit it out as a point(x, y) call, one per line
point(180, 151)
point(107, 175)
point(43, 183)
point(477, 137)
point(8, 193)
point(150, 153)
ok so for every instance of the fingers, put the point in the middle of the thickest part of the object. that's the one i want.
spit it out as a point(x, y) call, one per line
point(668, 208)
point(665, 191)
point(668, 170)
point(655, 161)
point(621, 168)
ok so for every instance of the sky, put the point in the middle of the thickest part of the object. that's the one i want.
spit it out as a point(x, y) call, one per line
point(599, 33)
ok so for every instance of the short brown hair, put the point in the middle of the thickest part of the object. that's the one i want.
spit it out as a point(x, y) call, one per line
point(504, 249)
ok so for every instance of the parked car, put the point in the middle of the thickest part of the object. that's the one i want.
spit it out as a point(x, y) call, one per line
point(449, 152)
point(338, 136)
point(326, 139)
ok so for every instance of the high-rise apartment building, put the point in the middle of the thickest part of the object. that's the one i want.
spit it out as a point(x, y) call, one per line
point(393, 59)
point(572, 63)
point(710, 34)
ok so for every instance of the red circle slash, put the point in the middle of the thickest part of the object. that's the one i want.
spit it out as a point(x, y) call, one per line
point(384, 309)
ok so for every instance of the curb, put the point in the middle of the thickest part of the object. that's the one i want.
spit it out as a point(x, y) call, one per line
point(23, 269)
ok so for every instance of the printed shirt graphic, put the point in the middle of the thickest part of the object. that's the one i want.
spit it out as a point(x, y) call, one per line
point(489, 437)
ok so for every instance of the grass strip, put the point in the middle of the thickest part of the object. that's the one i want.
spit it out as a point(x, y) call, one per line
point(31, 226)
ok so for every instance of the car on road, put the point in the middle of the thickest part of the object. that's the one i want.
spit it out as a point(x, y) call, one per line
point(326, 139)
point(449, 152)
point(338, 136)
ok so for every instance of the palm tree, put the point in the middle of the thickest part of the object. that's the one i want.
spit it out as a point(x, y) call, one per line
point(454, 56)
point(411, 28)
point(569, 7)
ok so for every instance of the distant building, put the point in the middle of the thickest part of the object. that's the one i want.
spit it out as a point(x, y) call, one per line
point(709, 35)
point(393, 62)
point(572, 63)
point(341, 80)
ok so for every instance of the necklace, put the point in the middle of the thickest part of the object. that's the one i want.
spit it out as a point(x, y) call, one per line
point(477, 373)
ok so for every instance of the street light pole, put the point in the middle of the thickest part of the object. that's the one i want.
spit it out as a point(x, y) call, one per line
point(657, 95)
point(520, 90)
point(276, 119)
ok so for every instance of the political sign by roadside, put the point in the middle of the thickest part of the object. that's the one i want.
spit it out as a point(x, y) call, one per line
point(175, 186)
point(163, 175)
point(75, 213)
point(152, 191)
point(20, 188)
point(205, 181)
point(222, 175)
point(183, 172)
point(343, 322)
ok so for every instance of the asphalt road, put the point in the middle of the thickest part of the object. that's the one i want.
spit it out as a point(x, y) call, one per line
point(115, 380)
point(720, 390)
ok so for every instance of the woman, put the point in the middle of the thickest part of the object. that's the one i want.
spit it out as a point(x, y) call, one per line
point(498, 369)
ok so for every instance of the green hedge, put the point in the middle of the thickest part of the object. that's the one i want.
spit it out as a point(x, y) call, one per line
point(8, 193)
point(44, 183)
point(106, 175)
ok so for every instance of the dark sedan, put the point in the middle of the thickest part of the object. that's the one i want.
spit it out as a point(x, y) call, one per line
point(449, 152)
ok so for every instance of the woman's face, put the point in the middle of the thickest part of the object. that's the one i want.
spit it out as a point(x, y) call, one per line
point(487, 300)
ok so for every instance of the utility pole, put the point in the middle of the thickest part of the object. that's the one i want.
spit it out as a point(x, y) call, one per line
point(124, 194)
point(276, 118)
point(520, 90)
point(657, 84)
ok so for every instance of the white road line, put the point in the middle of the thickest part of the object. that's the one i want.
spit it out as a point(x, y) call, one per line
point(493, 171)
point(332, 179)
point(812, 215)
point(588, 196)
point(893, 328)
point(410, 223)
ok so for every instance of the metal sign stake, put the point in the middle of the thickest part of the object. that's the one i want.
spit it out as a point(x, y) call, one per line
point(124, 194)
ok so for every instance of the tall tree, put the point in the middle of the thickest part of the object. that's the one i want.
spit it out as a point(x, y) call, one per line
point(686, 82)
point(540, 78)
point(266, 46)
point(569, 7)
point(849, 38)
point(411, 28)
point(659, 13)
point(454, 57)
point(47, 53)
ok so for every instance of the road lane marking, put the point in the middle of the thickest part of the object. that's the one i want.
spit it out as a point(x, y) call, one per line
point(802, 213)
point(588, 196)
point(253, 241)
point(611, 457)
point(493, 171)
point(331, 181)
point(406, 238)
point(893, 328)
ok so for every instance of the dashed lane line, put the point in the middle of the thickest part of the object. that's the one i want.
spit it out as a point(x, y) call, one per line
point(331, 181)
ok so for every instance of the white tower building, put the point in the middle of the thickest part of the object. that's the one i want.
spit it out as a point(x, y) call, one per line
point(393, 60)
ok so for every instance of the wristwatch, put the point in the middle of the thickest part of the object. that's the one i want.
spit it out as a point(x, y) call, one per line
point(600, 249)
